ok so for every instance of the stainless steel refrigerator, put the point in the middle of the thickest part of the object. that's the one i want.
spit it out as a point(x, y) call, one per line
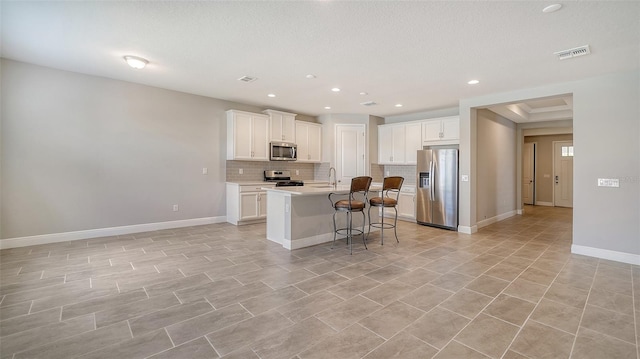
point(437, 191)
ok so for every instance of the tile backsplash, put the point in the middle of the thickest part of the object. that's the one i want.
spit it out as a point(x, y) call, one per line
point(408, 172)
point(254, 171)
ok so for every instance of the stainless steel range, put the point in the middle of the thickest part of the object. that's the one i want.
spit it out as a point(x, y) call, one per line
point(281, 178)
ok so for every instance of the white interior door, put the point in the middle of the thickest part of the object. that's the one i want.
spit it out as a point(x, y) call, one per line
point(350, 152)
point(528, 172)
point(563, 173)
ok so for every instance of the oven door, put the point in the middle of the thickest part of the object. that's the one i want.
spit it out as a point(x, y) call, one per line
point(283, 151)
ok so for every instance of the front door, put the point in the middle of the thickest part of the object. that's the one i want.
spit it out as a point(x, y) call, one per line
point(563, 173)
point(528, 172)
point(350, 152)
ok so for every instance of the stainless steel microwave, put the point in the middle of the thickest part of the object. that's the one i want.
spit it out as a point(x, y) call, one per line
point(283, 151)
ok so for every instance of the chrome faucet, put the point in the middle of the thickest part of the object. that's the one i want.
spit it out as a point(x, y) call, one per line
point(335, 181)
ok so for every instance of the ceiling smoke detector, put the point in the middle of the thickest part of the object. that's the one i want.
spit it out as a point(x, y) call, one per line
point(247, 79)
point(368, 103)
point(575, 52)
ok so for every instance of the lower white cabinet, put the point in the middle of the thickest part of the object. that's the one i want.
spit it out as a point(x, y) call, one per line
point(246, 203)
point(407, 205)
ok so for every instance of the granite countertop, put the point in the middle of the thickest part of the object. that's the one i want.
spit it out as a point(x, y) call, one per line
point(314, 190)
point(257, 183)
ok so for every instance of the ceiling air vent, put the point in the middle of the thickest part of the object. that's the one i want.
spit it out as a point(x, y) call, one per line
point(368, 103)
point(575, 52)
point(247, 79)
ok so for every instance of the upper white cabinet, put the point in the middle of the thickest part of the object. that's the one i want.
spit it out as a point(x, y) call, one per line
point(391, 144)
point(247, 136)
point(281, 126)
point(398, 143)
point(442, 131)
point(309, 141)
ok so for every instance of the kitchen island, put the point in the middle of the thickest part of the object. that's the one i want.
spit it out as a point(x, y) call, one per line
point(302, 216)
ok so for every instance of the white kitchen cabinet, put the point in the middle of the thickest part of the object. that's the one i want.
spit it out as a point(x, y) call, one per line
point(407, 203)
point(441, 131)
point(309, 141)
point(247, 136)
point(246, 203)
point(391, 144)
point(281, 126)
point(413, 142)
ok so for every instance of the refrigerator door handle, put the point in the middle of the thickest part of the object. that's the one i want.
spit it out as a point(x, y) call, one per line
point(431, 181)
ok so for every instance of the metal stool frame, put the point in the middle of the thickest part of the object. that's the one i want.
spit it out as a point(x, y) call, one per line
point(350, 205)
point(393, 185)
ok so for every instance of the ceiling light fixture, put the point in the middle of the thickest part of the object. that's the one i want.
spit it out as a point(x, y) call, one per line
point(335, 89)
point(327, 107)
point(136, 62)
point(271, 95)
point(552, 8)
point(363, 93)
point(398, 105)
point(473, 82)
point(310, 76)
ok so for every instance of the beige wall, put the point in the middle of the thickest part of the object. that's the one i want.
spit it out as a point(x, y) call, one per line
point(82, 152)
point(496, 154)
point(544, 164)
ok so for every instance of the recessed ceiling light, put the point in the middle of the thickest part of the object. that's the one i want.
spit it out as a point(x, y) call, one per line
point(398, 105)
point(310, 76)
point(473, 82)
point(136, 62)
point(335, 89)
point(271, 95)
point(552, 8)
point(327, 107)
point(363, 93)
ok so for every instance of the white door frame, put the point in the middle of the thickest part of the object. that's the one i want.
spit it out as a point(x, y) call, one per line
point(553, 144)
point(337, 160)
point(533, 171)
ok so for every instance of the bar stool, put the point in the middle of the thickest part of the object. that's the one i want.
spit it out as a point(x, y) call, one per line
point(393, 185)
point(351, 204)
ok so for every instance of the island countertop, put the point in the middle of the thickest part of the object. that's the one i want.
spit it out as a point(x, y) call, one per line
point(315, 189)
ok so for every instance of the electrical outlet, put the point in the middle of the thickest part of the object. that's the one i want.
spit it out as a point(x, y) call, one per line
point(205, 170)
point(175, 208)
point(297, 172)
point(240, 171)
point(387, 174)
point(464, 178)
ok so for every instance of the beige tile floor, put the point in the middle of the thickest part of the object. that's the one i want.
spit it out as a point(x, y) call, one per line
point(513, 290)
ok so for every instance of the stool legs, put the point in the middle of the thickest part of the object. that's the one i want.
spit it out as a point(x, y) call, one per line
point(349, 230)
point(381, 224)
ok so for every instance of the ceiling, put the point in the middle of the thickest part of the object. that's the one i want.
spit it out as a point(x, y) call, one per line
point(537, 110)
point(419, 54)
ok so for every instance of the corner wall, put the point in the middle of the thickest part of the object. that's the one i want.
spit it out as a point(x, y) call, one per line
point(606, 129)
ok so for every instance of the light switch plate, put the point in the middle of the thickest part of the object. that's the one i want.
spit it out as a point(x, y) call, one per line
point(205, 170)
point(240, 171)
point(608, 182)
point(464, 178)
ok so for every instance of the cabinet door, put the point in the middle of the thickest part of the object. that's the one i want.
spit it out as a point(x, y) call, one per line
point(260, 136)
point(275, 126)
point(243, 124)
point(302, 134)
point(385, 144)
point(398, 144)
point(262, 205)
point(406, 205)
point(289, 128)
point(451, 129)
point(413, 142)
point(249, 208)
point(431, 130)
point(315, 143)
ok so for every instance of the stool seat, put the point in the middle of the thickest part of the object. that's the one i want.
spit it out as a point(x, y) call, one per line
point(383, 202)
point(353, 205)
point(390, 185)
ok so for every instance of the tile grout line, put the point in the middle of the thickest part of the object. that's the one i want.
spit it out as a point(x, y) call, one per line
point(575, 339)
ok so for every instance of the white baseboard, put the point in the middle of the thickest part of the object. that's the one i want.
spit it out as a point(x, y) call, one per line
point(606, 254)
point(467, 229)
point(547, 204)
point(498, 218)
point(519, 211)
point(105, 232)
